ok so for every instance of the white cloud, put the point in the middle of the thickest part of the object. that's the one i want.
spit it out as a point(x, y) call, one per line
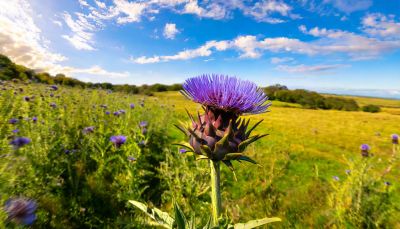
point(309, 68)
point(262, 10)
point(278, 60)
point(100, 4)
point(83, 3)
point(22, 41)
point(381, 25)
point(170, 31)
point(349, 6)
point(132, 11)
point(82, 37)
point(248, 45)
point(59, 23)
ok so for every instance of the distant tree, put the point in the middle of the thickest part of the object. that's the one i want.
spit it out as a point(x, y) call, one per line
point(371, 108)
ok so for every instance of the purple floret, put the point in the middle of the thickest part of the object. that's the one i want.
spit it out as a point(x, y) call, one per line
point(226, 93)
point(118, 140)
point(21, 210)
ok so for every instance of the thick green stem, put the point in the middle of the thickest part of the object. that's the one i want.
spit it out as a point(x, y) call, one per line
point(215, 190)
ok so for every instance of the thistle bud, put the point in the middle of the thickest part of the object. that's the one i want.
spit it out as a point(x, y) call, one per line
point(365, 150)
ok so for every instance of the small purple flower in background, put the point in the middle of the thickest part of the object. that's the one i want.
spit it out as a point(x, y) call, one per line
point(141, 103)
point(13, 121)
point(21, 210)
point(103, 106)
point(15, 131)
point(54, 87)
point(142, 143)
point(20, 141)
point(53, 105)
point(118, 140)
point(143, 124)
point(336, 178)
point(348, 171)
point(395, 139)
point(116, 113)
point(144, 130)
point(122, 111)
point(51, 95)
point(387, 183)
point(365, 150)
point(27, 99)
point(182, 150)
point(132, 105)
point(107, 112)
point(130, 158)
point(88, 130)
point(34, 119)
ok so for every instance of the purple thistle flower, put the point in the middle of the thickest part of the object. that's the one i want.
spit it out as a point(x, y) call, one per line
point(143, 124)
point(182, 150)
point(118, 140)
point(395, 139)
point(130, 158)
point(107, 112)
point(365, 150)
point(34, 119)
point(54, 87)
point(21, 210)
point(336, 178)
point(226, 93)
point(53, 105)
point(20, 141)
point(13, 121)
point(132, 105)
point(88, 130)
point(116, 113)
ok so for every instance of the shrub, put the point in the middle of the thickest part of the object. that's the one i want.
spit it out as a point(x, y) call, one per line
point(371, 108)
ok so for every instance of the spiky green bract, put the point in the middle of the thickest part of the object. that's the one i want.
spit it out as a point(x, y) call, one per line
point(220, 136)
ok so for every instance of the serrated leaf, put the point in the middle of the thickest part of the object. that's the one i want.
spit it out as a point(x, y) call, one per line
point(180, 218)
point(256, 223)
point(242, 146)
point(161, 218)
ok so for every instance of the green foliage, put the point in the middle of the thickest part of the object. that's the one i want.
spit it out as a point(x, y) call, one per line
point(371, 108)
point(310, 99)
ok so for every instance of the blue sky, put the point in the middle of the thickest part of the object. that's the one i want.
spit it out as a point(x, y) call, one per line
point(344, 46)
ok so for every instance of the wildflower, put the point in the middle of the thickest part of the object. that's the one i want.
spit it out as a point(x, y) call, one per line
point(130, 158)
point(116, 113)
point(142, 143)
point(122, 111)
point(348, 171)
point(144, 131)
point(395, 139)
point(336, 178)
point(53, 105)
point(143, 124)
point(54, 87)
point(13, 121)
point(219, 133)
point(88, 130)
point(51, 95)
point(387, 183)
point(132, 105)
point(365, 150)
point(20, 141)
point(103, 106)
point(21, 210)
point(34, 119)
point(182, 150)
point(15, 131)
point(118, 140)
point(107, 112)
point(27, 99)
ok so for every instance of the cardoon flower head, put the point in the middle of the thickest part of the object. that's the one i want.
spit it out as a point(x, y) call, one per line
point(395, 139)
point(21, 210)
point(365, 150)
point(118, 140)
point(132, 105)
point(13, 121)
point(219, 134)
point(20, 141)
point(88, 130)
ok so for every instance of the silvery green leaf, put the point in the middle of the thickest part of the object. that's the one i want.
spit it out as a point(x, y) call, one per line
point(256, 223)
point(158, 216)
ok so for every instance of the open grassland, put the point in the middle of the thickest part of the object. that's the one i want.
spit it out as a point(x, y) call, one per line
point(82, 180)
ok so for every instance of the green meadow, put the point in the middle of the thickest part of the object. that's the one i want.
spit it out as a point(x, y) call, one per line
point(81, 180)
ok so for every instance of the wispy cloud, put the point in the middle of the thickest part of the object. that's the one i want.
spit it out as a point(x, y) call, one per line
point(309, 68)
point(82, 31)
point(349, 6)
point(278, 60)
point(381, 25)
point(21, 40)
